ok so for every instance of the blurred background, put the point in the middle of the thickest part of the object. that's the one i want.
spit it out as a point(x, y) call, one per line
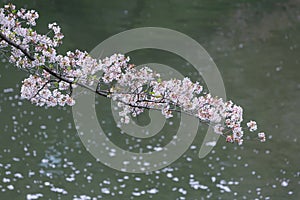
point(255, 44)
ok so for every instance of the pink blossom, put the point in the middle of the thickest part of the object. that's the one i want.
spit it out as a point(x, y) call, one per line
point(252, 126)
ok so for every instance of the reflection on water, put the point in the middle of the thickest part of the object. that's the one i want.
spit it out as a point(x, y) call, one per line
point(255, 45)
point(51, 162)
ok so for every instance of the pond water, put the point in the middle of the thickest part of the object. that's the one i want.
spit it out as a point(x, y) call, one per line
point(255, 45)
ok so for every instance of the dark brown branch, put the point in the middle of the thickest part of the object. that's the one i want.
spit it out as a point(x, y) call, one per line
point(72, 82)
point(29, 56)
point(16, 46)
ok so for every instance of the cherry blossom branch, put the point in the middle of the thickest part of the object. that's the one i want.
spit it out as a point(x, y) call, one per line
point(99, 92)
point(134, 89)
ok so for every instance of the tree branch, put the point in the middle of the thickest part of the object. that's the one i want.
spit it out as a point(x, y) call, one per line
point(16, 46)
point(96, 91)
point(29, 56)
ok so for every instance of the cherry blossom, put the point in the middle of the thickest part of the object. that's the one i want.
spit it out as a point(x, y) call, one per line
point(252, 125)
point(261, 136)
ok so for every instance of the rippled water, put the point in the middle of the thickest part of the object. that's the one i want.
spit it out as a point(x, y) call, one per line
point(255, 45)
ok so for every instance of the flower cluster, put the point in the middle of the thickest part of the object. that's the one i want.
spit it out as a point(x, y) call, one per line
point(38, 90)
point(139, 89)
point(53, 77)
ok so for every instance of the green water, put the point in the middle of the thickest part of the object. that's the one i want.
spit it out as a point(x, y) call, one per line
point(255, 45)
